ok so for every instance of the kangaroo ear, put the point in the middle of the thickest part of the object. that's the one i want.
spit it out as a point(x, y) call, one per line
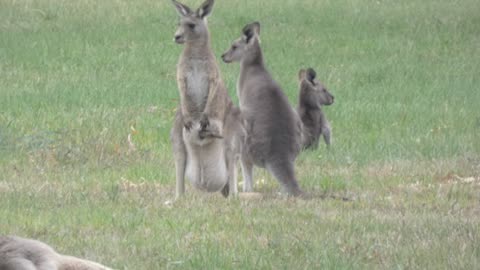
point(302, 74)
point(181, 8)
point(205, 9)
point(311, 74)
point(251, 30)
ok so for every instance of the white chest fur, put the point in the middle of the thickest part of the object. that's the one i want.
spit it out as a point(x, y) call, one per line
point(196, 77)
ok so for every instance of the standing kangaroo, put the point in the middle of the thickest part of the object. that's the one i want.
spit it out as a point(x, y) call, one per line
point(207, 134)
point(312, 96)
point(18, 253)
point(274, 130)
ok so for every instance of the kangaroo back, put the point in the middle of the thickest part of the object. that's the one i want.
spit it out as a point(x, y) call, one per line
point(74, 263)
point(18, 253)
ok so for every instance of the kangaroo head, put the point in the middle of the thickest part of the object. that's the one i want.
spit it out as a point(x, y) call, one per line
point(192, 25)
point(312, 91)
point(243, 45)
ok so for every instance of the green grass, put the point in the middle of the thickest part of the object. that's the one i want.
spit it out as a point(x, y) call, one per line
point(398, 190)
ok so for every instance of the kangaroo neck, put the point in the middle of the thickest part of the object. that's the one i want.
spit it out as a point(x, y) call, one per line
point(254, 58)
point(252, 63)
point(305, 101)
point(198, 49)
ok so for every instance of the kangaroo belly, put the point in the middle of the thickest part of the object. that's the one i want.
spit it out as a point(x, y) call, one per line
point(206, 166)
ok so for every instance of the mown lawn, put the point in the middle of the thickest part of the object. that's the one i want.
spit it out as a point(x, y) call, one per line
point(399, 189)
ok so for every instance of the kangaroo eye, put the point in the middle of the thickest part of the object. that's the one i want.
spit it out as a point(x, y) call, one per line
point(191, 25)
point(234, 47)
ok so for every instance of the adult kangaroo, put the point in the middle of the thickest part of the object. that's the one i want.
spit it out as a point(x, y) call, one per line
point(313, 95)
point(18, 253)
point(208, 133)
point(274, 130)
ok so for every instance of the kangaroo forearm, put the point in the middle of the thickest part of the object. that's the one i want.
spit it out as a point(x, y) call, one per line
point(185, 102)
point(215, 109)
point(209, 106)
point(219, 102)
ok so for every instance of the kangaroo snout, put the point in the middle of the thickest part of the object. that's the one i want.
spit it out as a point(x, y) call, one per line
point(329, 100)
point(179, 39)
point(224, 58)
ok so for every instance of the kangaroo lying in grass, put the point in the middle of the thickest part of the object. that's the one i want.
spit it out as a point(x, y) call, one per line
point(312, 96)
point(208, 131)
point(274, 130)
point(18, 253)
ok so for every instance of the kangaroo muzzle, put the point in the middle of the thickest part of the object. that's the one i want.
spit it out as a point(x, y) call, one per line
point(179, 37)
point(225, 58)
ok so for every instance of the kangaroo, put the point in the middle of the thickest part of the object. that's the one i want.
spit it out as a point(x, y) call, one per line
point(212, 157)
point(18, 253)
point(274, 130)
point(207, 133)
point(313, 95)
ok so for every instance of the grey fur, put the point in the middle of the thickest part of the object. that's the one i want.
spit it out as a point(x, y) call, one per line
point(208, 132)
point(313, 95)
point(274, 130)
point(18, 253)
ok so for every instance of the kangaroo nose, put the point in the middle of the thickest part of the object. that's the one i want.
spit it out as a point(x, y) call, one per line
point(178, 39)
point(224, 58)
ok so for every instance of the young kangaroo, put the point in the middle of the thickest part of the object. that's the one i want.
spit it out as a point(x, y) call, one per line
point(18, 253)
point(274, 129)
point(208, 132)
point(312, 96)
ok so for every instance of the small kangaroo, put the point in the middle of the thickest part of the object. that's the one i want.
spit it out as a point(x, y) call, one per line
point(313, 95)
point(18, 253)
point(274, 130)
point(208, 131)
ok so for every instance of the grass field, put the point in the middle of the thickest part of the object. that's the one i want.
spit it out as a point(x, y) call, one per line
point(400, 188)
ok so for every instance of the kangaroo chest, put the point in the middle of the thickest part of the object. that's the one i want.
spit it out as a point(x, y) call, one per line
point(196, 78)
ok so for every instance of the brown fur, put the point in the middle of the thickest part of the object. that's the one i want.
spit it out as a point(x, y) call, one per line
point(208, 133)
point(18, 253)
